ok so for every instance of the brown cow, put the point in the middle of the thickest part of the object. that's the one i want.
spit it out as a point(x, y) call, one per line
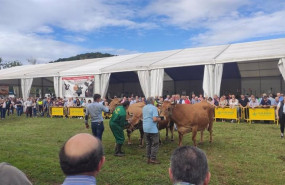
point(134, 114)
point(190, 118)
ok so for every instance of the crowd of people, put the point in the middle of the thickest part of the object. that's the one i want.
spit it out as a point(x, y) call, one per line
point(34, 107)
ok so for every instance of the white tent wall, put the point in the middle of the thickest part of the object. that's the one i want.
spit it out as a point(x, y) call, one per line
point(144, 78)
point(26, 84)
point(212, 79)
point(104, 84)
point(56, 84)
point(156, 82)
point(281, 66)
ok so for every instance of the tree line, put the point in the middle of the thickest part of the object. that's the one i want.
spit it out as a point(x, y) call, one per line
point(33, 61)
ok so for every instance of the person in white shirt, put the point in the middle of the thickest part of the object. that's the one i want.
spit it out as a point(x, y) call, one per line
point(233, 103)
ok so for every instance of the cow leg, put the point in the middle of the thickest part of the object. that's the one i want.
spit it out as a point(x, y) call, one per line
point(171, 130)
point(180, 139)
point(210, 129)
point(194, 133)
point(202, 132)
point(129, 137)
point(166, 136)
point(141, 139)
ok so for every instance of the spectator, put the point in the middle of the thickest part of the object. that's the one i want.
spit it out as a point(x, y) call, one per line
point(12, 175)
point(150, 119)
point(3, 108)
point(179, 100)
point(193, 98)
point(189, 166)
point(271, 99)
point(19, 107)
point(280, 97)
point(216, 100)
point(243, 104)
point(253, 103)
point(196, 100)
point(77, 103)
point(265, 102)
point(233, 102)
point(95, 111)
point(223, 102)
point(275, 102)
point(81, 159)
point(34, 108)
point(210, 101)
point(29, 104)
point(201, 97)
point(187, 100)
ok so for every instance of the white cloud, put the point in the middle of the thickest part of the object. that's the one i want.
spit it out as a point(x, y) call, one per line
point(231, 30)
point(17, 46)
point(221, 21)
point(191, 14)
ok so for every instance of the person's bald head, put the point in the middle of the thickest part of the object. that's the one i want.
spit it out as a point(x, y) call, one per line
point(81, 154)
point(80, 144)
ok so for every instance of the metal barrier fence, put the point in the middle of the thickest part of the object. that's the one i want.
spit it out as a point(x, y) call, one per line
point(226, 113)
point(73, 112)
point(246, 113)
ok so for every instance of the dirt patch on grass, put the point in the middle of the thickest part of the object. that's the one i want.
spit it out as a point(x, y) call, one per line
point(282, 157)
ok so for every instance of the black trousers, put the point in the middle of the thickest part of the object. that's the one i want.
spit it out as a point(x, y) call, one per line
point(282, 122)
point(29, 111)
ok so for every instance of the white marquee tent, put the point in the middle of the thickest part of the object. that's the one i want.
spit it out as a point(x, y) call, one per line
point(254, 59)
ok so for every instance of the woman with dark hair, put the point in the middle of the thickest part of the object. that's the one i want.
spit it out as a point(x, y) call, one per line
point(117, 124)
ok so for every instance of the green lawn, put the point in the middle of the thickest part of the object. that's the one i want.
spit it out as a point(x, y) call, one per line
point(240, 154)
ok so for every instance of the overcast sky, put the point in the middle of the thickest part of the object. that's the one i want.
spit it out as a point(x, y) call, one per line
point(50, 29)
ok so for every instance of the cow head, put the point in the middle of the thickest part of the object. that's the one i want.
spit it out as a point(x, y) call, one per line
point(114, 103)
point(134, 115)
point(166, 109)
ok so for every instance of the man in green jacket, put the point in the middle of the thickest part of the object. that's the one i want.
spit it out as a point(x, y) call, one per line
point(117, 124)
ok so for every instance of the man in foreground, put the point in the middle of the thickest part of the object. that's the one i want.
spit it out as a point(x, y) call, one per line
point(189, 166)
point(81, 159)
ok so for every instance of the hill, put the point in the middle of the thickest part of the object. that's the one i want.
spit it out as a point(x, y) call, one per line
point(84, 56)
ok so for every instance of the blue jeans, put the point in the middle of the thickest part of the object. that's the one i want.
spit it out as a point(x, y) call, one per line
point(34, 112)
point(19, 111)
point(3, 112)
point(97, 129)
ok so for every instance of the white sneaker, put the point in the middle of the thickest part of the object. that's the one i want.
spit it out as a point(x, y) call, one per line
point(282, 135)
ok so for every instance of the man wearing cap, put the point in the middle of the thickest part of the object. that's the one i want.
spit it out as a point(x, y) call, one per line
point(81, 158)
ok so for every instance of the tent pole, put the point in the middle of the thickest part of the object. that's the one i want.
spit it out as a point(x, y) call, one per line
point(42, 88)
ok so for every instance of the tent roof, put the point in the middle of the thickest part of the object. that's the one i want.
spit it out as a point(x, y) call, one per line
point(95, 67)
point(260, 51)
point(252, 51)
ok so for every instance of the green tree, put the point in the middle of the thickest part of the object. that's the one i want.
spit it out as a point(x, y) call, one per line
point(11, 64)
point(84, 56)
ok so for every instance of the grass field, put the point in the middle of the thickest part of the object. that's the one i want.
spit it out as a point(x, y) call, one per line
point(240, 154)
